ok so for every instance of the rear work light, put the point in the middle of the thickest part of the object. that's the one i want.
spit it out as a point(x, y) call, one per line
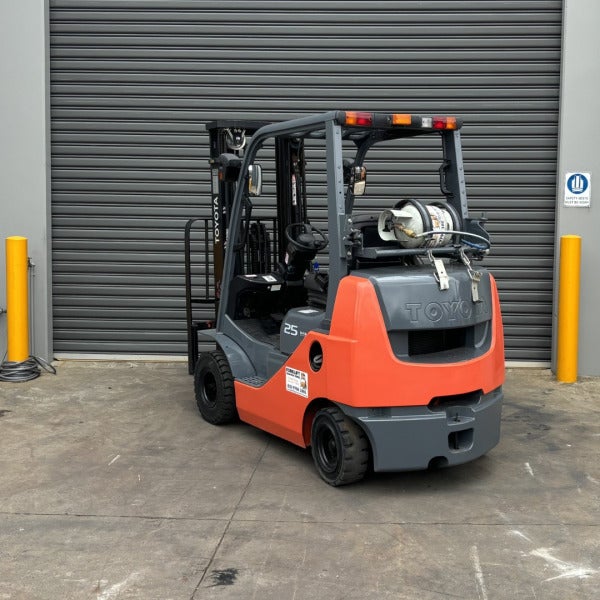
point(362, 119)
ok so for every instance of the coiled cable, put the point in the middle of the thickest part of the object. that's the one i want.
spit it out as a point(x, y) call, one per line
point(24, 370)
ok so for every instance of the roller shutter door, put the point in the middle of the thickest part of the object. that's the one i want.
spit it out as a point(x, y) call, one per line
point(132, 83)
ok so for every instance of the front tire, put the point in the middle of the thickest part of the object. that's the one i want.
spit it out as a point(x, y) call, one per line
point(340, 448)
point(214, 389)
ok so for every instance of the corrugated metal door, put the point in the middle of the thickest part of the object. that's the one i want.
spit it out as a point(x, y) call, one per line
point(133, 81)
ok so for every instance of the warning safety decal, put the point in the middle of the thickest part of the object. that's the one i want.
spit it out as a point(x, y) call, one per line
point(296, 382)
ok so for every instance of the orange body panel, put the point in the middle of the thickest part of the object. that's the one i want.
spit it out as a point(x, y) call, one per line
point(361, 370)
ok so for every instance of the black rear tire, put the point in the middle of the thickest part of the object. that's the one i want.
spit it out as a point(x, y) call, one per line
point(213, 385)
point(340, 448)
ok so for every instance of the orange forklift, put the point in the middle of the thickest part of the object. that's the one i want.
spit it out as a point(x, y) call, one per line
point(369, 336)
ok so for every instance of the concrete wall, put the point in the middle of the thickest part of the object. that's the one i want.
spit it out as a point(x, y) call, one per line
point(25, 157)
point(579, 151)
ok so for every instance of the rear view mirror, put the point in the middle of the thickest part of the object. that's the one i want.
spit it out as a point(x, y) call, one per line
point(254, 180)
point(355, 177)
point(359, 181)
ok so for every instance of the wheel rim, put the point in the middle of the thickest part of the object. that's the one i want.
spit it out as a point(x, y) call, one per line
point(327, 448)
point(209, 389)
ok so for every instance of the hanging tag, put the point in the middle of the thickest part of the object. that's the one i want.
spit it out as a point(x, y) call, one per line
point(440, 274)
point(474, 276)
point(475, 279)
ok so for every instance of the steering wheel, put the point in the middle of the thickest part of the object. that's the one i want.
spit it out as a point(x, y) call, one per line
point(306, 240)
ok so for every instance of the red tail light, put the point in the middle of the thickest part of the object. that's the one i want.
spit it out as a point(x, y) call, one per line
point(444, 122)
point(363, 119)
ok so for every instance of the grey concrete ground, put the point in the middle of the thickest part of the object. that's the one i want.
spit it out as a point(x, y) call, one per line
point(111, 486)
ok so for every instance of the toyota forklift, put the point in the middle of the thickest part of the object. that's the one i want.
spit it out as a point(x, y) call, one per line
point(370, 337)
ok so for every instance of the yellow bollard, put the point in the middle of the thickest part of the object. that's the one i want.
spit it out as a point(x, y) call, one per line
point(17, 300)
point(568, 308)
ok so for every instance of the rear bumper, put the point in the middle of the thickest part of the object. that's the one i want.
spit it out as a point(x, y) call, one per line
point(410, 438)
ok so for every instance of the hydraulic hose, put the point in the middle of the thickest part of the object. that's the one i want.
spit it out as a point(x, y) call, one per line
point(461, 233)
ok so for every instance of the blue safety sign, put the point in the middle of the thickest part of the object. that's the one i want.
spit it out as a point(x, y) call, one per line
point(578, 189)
point(578, 183)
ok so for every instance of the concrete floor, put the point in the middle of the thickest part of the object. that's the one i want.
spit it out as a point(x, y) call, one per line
point(112, 486)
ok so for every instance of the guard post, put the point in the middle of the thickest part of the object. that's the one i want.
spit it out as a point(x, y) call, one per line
point(17, 300)
point(568, 308)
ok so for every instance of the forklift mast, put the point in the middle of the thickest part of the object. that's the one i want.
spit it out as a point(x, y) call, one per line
point(225, 137)
point(231, 137)
point(290, 175)
point(228, 140)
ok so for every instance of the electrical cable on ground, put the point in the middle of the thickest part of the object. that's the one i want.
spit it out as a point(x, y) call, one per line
point(25, 370)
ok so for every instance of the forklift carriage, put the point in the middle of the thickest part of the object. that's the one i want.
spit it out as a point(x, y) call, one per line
point(371, 338)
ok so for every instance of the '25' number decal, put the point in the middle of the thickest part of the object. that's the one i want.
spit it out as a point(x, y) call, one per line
point(290, 329)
